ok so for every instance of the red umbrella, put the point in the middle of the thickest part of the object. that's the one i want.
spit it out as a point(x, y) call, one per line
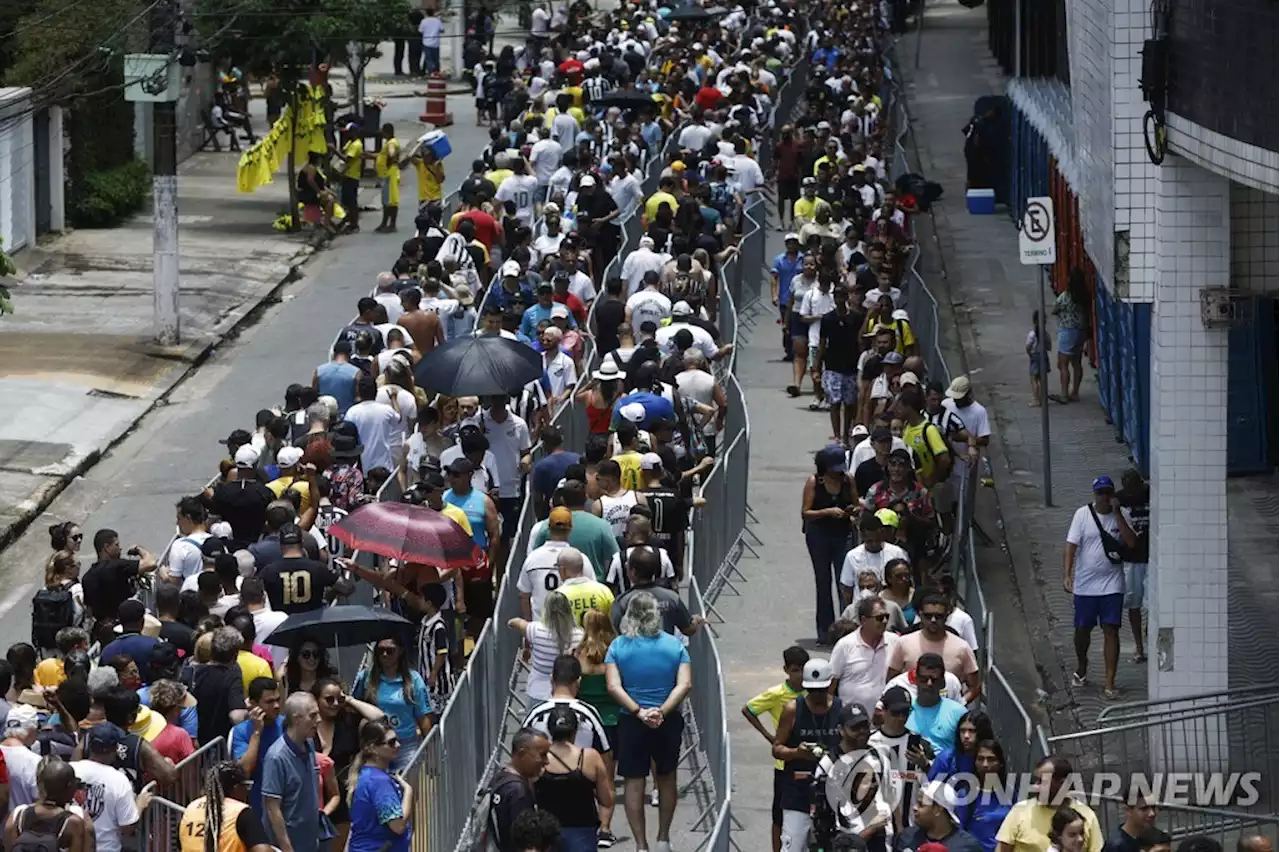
point(409, 533)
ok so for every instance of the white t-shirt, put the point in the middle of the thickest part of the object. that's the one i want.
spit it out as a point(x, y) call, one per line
point(185, 559)
point(648, 306)
point(617, 577)
point(430, 29)
point(694, 137)
point(392, 303)
point(976, 423)
point(508, 440)
point(702, 339)
point(639, 262)
point(564, 129)
point(540, 575)
point(485, 476)
point(405, 402)
point(378, 425)
point(541, 22)
point(860, 559)
point(265, 621)
point(747, 173)
point(865, 450)
point(108, 801)
point(561, 178)
point(581, 285)
point(22, 763)
point(561, 372)
point(543, 655)
point(544, 156)
point(1094, 573)
point(520, 189)
point(816, 303)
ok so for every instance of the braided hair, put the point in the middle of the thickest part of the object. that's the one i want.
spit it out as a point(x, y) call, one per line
point(221, 777)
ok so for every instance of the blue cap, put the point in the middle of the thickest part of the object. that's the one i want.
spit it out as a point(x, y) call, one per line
point(1103, 483)
point(831, 459)
point(104, 737)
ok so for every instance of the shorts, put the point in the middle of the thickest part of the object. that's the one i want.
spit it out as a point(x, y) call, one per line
point(1038, 366)
point(478, 596)
point(799, 328)
point(480, 106)
point(793, 794)
point(351, 195)
point(1070, 340)
point(779, 778)
point(840, 388)
point(1092, 610)
point(641, 748)
point(1135, 585)
point(509, 511)
point(789, 188)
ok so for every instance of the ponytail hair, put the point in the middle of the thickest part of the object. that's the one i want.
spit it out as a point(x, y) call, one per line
point(220, 778)
point(371, 734)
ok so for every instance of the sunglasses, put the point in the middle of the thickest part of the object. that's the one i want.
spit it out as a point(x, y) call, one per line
point(933, 616)
point(394, 742)
point(308, 654)
point(884, 616)
point(79, 537)
point(333, 699)
point(387, 652)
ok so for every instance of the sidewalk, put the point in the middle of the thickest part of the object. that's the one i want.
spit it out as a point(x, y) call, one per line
point(972, 265)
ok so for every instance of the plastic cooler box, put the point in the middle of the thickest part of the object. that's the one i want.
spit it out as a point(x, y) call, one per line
point(980, 201)
point(438, 143)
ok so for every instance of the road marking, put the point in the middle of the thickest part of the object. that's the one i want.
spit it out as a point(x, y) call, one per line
point(15, 596)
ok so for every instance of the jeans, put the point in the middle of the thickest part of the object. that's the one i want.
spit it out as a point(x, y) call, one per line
point(431, 58)
point(784, 315)
point(578, 839)
point(827, 551)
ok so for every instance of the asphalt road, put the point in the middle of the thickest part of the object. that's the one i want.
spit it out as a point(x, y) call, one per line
point(174, 450)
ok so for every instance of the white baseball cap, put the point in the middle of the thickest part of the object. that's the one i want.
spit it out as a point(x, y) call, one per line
point(288, 456)
point(859, 431)
point(632, 412)
point(650, 461)
point(908, 378)
point(817, 674)
point(247, 456)
point(511, 268)
point(941, 794)
point(559, 312)
point(587, 180)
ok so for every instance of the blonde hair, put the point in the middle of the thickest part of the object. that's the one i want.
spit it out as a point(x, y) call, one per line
point(55, 570)
point(600, 634)
point(642, 617)
point(557, 617)
point(204, 647)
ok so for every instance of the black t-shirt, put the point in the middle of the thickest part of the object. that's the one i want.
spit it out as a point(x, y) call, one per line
point(868, 474)
point(596, 206)
point(107, 584)
point(351, 331)
point(840, 336)
point(511, 795)
point(218, 690)
point(1121, 841)
point(267, 550)
point(610, 314)
point(297, 584)
point(670, 511)
point(243, 504)
point(250, 830)
point(179, 635)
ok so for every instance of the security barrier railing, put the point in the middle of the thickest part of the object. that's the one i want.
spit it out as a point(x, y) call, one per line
point(158, 824)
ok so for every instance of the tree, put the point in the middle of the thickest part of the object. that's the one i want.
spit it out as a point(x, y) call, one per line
point(7, 269)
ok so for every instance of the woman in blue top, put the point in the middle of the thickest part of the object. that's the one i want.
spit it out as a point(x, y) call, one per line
point(955, 765)
point(984, 816)
point(398, 692)
point(381, 803)
point(648, 673)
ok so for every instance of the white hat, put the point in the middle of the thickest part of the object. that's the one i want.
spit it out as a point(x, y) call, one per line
point(859, 431)
point(959, 388)
point(288, 456)
point(791, 235)
point(646, 241)
point(650, 461)
point(587, 180)
point(632, 412)
point(511, 268)
point(22, 717)
point(559, 312)
point(817, 674)
point(901, 314)
point(941, 794)
point(550, 207)
point(681, 309)
point(608, 372)
point(247, 456)
point(220, 529)
point(908, 378)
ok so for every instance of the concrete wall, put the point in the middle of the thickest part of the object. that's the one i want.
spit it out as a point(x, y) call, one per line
point(17, 163)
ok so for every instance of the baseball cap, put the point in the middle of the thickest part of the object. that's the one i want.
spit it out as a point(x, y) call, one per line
point(681, 309)
point(212, 547)
point(632, 412)
point(859, 431)
point(560, 517)
point(103, 737)
point(290, 534)
point(831, 458)
point(892, 358)
point(22, 717)
point(559, 312)
point(896, 700)
point(791, 236)
point(909, 378)
point(881, 433)
point(853, 715)
point(941, 794)
point(511, 268)
point(587, 180)
point(288, 456)
point(238, 437)
point(901, 455)
point(246, 456)
point(651, 461)
point(960, 388)
point(544, 286)
point(888, 517)
point(1103, 483)
point(462, 467)
point(809, 181)
point(817, 674)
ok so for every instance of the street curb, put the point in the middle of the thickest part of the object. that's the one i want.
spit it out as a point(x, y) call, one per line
point(192, 357)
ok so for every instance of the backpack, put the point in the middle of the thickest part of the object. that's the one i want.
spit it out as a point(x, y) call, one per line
point(51, 610)
point(44, 837)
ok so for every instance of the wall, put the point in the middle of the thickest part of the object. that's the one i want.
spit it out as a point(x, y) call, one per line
point(1133, 278)
point(1255, 240)
point(17, 178)
point(1089, 24)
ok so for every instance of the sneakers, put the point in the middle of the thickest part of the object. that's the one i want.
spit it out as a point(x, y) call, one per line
point(653, 798)
point(605, 839)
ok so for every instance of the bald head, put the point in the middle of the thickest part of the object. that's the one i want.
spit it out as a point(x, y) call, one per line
point(1255, 843)
point(57, 779)
point(570, 563)
point(914, 364)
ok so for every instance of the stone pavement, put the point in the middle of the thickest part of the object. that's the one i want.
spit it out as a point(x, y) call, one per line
point(971, 263)
point(77, 369)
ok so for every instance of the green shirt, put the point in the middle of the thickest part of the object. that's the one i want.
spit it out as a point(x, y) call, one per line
point(590, 534)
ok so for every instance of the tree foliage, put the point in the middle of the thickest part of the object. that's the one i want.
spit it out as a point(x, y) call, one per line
point(7, 270)
point(60, 54)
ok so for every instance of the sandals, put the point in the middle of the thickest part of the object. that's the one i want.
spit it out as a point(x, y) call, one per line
point(793, 391)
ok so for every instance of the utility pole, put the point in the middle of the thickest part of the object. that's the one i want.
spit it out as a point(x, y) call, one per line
point(164, 188)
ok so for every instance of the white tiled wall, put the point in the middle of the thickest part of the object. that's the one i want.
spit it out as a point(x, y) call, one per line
point(1188, 599)
point(1089, 26)
point(1255, 240)
point(1134, 171)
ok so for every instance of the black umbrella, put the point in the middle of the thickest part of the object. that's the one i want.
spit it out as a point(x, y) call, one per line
point(340, 626)
point(694, 13)
point(487, 365)
point(626, 99)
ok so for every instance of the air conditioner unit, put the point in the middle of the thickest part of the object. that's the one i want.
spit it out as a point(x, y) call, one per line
point(151, 78)
point(1222, 307)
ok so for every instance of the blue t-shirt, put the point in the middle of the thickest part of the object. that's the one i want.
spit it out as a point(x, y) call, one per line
point(188, 717)
point(550, 470)
point(240, 736)
point(290, 775)
point(376, 802)
point(536, 314)
point(402, 715)
point(647, 666)
point(786, 269)
point(953, 762)
point(938, 723)
point(338, 381)
point(135, 646)
point(656, 407)
point(983, 819)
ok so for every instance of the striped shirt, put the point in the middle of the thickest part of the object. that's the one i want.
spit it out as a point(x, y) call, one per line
point(591, 730)
point(596, 88)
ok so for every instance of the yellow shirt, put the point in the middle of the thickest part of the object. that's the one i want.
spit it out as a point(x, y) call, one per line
point(585, 594)
point(252, 667)
point(773, 701)
point(653, 201)
point(630, 464)
point(354, 152)
point(1027, 826)
point(429, 180)
point(388, 158)
point(497, 176)
point(903, 336)
point(807, 208)
point(576, 93)
point(458, 516)
point(926, 442)
point(292, 483)
point(579, 114)
point(823, 159)
point(191, 828)
point(50, 672)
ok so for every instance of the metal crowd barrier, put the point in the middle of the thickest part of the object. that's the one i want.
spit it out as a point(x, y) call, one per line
point(707, 727)
point(158, 824)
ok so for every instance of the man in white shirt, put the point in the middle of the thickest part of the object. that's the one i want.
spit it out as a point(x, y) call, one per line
point(20, 729)
point(540, 572)
point(430, 28)
point(624, 188)
point(643, 260)
point(746, 171)
point(561, 373)
point(544, 156)
point(386, 295)
point(696, 134)
point(977, 427)
point(510, 442)
point(860, 661)
point(185, 558)
point(520, 188)
point(875, 552)
point(649, 304)
point(681, 313)
point(109, 798)
point(378, 425)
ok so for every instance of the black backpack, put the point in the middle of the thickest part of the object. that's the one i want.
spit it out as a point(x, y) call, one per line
point(51, 610)
point(42, 836)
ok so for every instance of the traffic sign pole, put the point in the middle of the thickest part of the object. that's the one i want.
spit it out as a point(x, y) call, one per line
point(1042, 338)
point(1037, 246)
